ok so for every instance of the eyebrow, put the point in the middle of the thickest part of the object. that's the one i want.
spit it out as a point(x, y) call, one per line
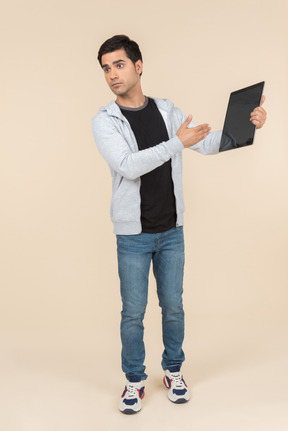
point(114, 62)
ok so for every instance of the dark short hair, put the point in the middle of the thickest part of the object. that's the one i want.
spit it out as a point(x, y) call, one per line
point(118, 42)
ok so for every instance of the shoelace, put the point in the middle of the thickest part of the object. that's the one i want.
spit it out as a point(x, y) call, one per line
point(177, 380)
point(131, 390)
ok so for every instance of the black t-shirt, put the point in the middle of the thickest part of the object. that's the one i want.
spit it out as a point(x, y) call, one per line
point(158, 209)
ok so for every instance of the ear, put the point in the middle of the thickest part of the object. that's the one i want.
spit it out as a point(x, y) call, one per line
point(139, 67)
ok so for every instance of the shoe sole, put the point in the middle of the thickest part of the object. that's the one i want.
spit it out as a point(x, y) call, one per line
point(180, 401)
point(129, 411)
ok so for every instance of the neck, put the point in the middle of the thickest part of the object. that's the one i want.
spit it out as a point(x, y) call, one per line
point(131, 100)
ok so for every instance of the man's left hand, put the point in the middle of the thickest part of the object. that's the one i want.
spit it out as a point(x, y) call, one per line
point(259, 115)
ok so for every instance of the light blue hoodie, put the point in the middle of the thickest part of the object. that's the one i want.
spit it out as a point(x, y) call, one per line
point(117, 144)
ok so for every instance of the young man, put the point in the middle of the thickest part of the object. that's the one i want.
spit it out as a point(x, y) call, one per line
point(143, 139)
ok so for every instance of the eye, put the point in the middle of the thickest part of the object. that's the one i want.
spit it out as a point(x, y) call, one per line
point(120, 65)
point(107, 69)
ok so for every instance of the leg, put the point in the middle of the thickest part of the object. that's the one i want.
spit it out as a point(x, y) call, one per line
point(134, 261)
point(168, 267)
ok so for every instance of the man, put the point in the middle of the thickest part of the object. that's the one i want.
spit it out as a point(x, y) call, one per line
point(143, 139)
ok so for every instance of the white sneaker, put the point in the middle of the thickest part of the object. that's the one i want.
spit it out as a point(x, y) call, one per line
point(178, 391)
point(130, 402)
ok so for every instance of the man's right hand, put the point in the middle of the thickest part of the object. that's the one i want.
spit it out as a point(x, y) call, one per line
point(190, 136)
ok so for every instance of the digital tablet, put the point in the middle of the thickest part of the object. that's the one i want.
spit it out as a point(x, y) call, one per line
point(238, 131)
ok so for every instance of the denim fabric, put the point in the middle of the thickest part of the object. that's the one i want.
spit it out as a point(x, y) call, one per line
point(135, 253)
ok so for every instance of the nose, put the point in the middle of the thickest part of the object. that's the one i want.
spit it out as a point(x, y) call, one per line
point(113, 74)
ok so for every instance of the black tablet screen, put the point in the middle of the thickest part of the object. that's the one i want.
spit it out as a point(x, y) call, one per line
point(238, 131)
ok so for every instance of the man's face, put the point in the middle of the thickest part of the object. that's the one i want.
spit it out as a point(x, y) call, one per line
point(121, 74)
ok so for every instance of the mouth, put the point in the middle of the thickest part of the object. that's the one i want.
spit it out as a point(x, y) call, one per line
point(116, 84)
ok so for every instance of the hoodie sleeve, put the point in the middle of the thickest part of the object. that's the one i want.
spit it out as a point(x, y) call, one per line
point(119, 156)
point(209, 145)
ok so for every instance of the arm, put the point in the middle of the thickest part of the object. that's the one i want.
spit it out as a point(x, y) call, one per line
point(118, 154)
point(199, 138)
point(211, 144)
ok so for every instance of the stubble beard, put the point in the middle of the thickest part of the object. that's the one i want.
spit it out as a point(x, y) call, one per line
point(123, 90)
point(119, 91)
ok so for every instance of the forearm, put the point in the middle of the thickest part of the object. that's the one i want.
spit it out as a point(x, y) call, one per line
point(134, 165)
point(209, 145)
point(131, 165)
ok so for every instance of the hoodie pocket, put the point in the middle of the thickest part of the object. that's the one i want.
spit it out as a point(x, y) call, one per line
point(125, 205)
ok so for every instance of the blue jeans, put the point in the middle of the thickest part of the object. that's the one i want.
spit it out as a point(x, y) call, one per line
point(135, 253)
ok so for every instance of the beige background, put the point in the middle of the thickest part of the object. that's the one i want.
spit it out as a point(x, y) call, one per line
point(60, 302)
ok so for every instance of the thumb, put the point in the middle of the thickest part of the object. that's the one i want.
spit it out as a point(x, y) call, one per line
point(187, 121)
point(262, 100)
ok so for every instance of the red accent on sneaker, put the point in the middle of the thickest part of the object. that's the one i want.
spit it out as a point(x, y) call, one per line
point(124, 393)
point(138, 390)
point(165, 378)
